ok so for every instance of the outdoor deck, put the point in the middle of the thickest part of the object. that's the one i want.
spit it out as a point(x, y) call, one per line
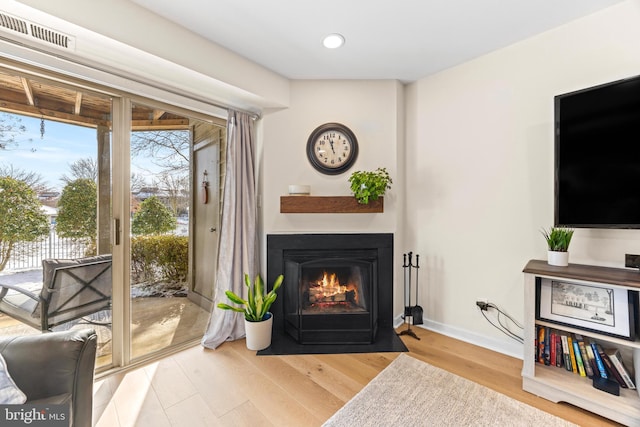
point(158, 322)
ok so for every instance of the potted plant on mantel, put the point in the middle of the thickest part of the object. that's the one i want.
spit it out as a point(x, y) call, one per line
point(558, 240)
point(258, 321)
point(369, 186)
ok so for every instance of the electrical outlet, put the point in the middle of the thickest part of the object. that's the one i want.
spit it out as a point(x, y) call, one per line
point(483, 303)
point(632, 260)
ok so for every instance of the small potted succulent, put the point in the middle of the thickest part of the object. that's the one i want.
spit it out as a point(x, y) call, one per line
point(258, 321)
point(558, 240)
point(369, 186)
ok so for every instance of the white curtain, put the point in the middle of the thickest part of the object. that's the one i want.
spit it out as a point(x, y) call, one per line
point(238, 253)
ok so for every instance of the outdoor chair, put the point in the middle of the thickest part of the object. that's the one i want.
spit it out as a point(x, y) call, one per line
point(70, 289)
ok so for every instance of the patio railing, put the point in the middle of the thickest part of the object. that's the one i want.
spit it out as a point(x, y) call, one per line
point(30, 254)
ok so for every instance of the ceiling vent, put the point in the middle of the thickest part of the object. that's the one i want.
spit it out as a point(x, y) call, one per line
point(37, 32)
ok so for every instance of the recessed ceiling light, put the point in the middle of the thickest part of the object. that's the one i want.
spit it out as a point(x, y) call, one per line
point(333, 41)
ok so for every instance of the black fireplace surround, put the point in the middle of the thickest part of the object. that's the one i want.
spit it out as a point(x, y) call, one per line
point(359, 270)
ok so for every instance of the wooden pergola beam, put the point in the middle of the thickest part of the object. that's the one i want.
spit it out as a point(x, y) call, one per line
point(28, 91)
point(78, 104)
point(168, 124)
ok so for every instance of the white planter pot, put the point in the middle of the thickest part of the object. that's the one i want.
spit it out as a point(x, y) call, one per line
point(258, 333)
point(559, 259)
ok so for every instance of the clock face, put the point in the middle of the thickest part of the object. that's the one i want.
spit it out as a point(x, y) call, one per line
point(332, 148)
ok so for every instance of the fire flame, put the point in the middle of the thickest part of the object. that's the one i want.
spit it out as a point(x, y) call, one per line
point(331, 285)
point(327, 293)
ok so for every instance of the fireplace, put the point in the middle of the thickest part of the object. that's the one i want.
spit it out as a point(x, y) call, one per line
point(337, 289)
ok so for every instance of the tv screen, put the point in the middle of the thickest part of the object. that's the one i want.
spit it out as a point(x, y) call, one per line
point(597, 156)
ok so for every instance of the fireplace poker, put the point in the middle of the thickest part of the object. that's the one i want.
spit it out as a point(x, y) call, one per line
point(416, 311)
point(407, 285)
point(408, 309)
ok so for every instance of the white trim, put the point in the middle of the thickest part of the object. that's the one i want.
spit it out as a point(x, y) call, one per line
point(509, 348)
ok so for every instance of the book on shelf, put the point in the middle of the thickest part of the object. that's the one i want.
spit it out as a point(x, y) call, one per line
point(535, 344)
point(574, 363)
point(541, 333)
point(547, 346)
point(601, 368)
point(614, 356)
point(611, 370)
point(559, 358)
point(552, 347)
point(585, 356)
point(565, 352)
point(592, 360)
point(576, 350)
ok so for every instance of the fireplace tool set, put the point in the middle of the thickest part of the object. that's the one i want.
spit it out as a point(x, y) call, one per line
point(415, 311)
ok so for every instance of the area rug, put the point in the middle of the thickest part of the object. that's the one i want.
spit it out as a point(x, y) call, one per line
point(410, 392)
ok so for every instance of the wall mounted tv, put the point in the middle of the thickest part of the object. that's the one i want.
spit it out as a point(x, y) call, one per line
point(597, 156)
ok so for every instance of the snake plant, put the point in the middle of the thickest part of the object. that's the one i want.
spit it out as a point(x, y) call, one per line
point(258, 302)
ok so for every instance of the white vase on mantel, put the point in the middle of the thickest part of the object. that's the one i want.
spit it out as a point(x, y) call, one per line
point(559, 259)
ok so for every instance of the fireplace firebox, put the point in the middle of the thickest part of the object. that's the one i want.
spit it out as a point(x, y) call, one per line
point(337, 288)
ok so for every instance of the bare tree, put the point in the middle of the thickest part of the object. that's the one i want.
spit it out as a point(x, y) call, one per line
point(86, 168)
point(10, 127)
point(168, 149)
point(32, 179)
point(177, 187)
point(138, 182)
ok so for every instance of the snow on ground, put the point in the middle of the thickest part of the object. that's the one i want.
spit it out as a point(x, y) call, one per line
point(137, 291)
point(23, 276)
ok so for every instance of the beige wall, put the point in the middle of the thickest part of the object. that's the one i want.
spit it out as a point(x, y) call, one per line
point(480, 167)
point(368, 108)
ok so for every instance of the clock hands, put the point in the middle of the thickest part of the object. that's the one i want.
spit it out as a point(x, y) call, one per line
point(331, 143)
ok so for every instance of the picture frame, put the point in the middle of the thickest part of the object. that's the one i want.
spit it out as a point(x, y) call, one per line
point(598, 308)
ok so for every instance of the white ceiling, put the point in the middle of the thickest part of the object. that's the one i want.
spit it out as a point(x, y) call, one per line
point(385, 39)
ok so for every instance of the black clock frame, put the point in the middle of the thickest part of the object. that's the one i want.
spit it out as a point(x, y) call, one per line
point(321, 167)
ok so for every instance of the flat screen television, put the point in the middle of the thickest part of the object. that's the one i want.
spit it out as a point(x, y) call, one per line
point(597, 156)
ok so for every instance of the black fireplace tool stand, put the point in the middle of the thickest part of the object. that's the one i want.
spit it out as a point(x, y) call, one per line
point(415, 311)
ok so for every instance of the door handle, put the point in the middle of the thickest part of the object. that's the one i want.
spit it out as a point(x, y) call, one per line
point(116, 231)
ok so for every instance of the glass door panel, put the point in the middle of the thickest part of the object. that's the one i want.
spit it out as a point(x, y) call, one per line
point(55, 152)
point(161, 248)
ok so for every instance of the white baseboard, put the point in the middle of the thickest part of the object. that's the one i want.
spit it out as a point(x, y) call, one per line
point(510, 348)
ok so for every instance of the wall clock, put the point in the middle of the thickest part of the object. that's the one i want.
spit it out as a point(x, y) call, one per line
point(332, 148)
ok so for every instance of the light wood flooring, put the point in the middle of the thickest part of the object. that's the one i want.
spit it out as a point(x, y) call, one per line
point(231, 386)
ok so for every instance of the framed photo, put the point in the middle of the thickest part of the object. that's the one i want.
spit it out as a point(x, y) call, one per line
point(596, 308)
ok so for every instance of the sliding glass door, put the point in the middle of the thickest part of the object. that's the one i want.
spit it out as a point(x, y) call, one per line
point(106, 175)
point(164, 226)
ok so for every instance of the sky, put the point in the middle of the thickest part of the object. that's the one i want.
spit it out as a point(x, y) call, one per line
point(51, 155)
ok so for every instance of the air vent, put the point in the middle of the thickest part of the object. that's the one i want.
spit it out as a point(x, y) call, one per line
point(12, 23)
point(50, 36)
point(34, 31)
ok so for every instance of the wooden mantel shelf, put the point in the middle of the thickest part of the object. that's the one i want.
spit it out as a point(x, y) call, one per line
point(328, 204)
